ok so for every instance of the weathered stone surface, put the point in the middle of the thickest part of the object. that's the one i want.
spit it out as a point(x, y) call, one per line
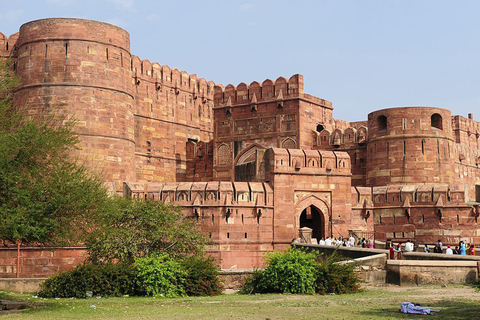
point(253, 163)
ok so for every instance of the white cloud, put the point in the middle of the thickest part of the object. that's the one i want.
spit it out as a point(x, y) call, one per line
point(152, 17)
point(246, 7)
point(11, 16)
point(62, 3)
point(125, 4)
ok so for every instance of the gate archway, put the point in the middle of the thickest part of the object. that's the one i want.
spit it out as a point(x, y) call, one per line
point(312, 218)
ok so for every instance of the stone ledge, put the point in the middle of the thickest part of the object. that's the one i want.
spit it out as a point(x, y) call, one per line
point(432, 263)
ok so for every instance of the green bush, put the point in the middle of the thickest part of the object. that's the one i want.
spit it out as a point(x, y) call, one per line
point(335, 277)
point(103, 280)
point(160, 275)
point(251, 284)
point(202, 276)
point(293, 271)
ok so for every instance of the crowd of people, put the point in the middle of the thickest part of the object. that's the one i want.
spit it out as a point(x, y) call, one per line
point(350, 242)
point(461, 249)
point(396, 251)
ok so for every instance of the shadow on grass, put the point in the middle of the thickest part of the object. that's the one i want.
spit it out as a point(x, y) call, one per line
point(449, 309)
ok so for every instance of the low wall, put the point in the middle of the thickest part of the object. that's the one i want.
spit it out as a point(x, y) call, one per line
point(438, 256)
point(419, 272)
point(348, 252)
point(39, 262)
point(233, 280)
point(21, 285)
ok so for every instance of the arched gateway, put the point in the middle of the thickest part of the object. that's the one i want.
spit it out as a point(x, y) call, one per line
point(313, 219)
point(313, 212)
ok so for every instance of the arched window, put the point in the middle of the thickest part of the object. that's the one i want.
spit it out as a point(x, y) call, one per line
point(382, 123)
point(436, 121)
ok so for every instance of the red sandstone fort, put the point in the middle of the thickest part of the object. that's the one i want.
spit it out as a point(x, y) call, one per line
point(252, 163)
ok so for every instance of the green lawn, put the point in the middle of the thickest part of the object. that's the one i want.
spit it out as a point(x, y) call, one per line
point(453, 301)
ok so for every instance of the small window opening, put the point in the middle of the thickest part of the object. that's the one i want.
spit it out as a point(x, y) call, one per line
point(436, 121)
point(320, 128)
point(245, 235)
point(458, 219)
point(228, 235)
point(382, 123)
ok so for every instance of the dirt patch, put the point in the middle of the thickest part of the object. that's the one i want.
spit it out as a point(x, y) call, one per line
point(432, 292)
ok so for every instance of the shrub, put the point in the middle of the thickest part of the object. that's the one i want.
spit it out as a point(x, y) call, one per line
point(293, 271)
point(202, 276)
point(251, 284)
point(335, 277)
point(104, 280)
point(160, 275)
point(135, 228)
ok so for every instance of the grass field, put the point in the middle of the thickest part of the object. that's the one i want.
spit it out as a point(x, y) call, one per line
point(453, 301)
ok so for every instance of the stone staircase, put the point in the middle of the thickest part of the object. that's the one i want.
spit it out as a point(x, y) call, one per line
point(8, 307)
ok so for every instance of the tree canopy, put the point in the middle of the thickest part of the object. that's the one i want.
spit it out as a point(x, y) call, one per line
point(139, 228)
point(46, 195)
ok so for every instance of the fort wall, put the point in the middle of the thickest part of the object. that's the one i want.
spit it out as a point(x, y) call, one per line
point(236, 216)
point(134, 117)
point(80, 69)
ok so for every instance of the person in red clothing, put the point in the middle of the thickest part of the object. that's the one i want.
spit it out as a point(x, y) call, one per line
point(471, 250)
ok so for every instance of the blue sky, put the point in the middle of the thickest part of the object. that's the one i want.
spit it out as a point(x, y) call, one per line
point(362, 55)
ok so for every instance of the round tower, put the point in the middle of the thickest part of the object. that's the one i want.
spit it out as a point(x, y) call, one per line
point(410, 145)
point(81, 69)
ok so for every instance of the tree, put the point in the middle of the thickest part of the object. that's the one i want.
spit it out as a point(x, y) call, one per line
point(46, 195)
point(140, 228)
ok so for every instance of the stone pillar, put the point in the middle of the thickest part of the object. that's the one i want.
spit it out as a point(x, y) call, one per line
point(305, 235)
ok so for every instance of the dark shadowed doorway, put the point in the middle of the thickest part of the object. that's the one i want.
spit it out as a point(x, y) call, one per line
point(312, 218)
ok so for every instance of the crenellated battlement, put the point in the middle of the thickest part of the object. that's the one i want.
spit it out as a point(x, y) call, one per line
point(466, 131)
point(339, 137)
point(159, 76)
point(307, 161)
point(437, 195)
point(7, 45)
point(198, 194)
point(280, 89)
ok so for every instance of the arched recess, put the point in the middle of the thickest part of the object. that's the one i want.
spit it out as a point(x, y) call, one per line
point(249, 164)
point(248, 154)
point(320, 216)
point(224, 155)
point(289, 143)
point(436, 121)
point(382, 123)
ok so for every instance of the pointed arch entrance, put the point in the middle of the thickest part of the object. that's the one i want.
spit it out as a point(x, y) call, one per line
point(313, 212)
point(313, 219)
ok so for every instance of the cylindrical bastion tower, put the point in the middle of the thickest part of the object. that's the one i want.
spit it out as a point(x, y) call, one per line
point(82, 69)
point(410, 145)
